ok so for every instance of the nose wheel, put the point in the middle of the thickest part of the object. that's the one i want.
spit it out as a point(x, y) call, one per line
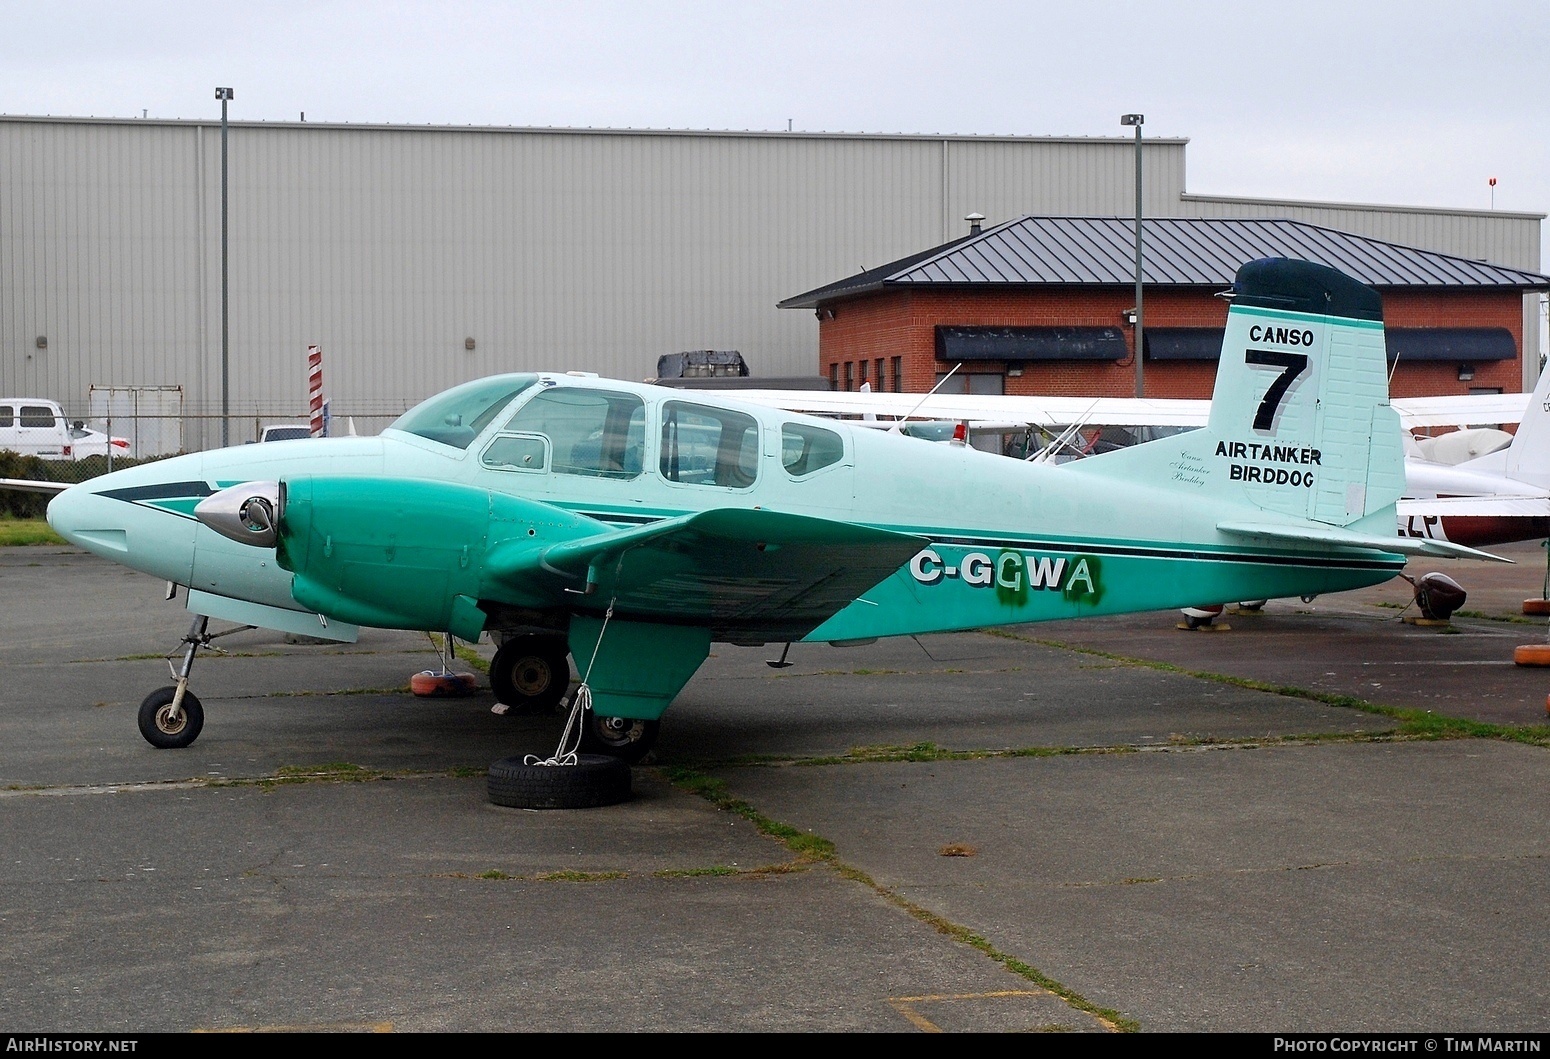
point(172, 717)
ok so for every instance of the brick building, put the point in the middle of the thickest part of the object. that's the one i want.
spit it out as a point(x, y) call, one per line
point(1046, 306)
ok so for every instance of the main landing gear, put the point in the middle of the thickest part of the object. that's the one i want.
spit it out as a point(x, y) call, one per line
point(530, 674)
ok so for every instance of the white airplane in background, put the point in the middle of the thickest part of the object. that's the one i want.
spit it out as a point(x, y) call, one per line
point(1483, 487)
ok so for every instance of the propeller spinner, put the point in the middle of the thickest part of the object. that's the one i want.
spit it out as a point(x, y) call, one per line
point(249, 513)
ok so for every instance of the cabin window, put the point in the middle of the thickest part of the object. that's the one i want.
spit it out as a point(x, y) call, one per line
point(516, 452)
point(37, 415)
point(805, 449)
point(709, 446)
point(7, 417)
point(457, 417)
point(596, 433)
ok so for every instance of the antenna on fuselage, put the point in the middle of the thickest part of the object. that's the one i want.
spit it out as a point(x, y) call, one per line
point(897, 427)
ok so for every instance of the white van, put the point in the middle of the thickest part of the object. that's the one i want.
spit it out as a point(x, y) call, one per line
point(33, 426)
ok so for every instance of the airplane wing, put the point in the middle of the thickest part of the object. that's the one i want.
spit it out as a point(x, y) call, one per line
point(30, 486)
point(997, 408)
point(1458, 410)
point(749, 574)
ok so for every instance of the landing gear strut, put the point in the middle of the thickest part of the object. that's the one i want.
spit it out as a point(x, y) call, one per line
point(171, 717)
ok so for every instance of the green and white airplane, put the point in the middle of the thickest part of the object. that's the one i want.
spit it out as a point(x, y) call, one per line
point(629, 527)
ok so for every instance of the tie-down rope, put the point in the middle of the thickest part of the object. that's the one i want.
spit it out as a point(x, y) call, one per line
point(580, 703)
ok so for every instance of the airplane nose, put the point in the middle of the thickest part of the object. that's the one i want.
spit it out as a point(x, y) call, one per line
point(142, 522)
point(86, 519)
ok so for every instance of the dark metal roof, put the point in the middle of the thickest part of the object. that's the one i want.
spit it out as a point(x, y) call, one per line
point(1177, 252)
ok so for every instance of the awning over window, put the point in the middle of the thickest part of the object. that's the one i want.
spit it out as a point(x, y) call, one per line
point(1030, 343)
point(1183, 343)
point(1463, 344)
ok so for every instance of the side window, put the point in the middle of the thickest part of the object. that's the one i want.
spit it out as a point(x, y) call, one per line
point(7, 417)
point(805, 449)
point(709, 446)
point(37, 415)
point(597, 433)
point(516, 452)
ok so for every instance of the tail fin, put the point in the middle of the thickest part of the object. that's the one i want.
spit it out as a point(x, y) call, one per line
point(1300, 415)
point(1301, 445)
point(1527, 459)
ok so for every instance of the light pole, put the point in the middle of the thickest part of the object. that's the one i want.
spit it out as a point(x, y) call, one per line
point(225, 95)
point(1138, 120)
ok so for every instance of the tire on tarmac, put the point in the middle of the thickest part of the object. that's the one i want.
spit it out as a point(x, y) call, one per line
point(162, 732)
point(594, 780)
point(625, 738)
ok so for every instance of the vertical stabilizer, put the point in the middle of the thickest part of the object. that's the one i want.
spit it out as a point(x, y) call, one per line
point(1527, 458)
point(1300, 416)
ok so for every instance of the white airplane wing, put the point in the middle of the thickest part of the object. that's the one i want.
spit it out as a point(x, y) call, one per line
point(30, 486)
point(990, 408)
point(1459, 410)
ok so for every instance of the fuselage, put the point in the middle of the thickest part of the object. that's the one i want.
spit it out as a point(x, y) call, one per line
point(1010, 541)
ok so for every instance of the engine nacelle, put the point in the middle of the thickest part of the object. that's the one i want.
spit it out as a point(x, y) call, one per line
point(410, 553)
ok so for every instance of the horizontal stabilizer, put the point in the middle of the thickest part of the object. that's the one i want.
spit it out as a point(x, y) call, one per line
point(1341, 538)
point(747, 573)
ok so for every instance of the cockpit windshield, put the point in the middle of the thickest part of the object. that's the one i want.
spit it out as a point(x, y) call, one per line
point(457, 416)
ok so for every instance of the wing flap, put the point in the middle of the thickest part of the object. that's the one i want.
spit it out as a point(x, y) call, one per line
point(748, 574)
point(1341, 538)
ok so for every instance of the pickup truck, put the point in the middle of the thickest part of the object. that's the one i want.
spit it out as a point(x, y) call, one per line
point(285, 431)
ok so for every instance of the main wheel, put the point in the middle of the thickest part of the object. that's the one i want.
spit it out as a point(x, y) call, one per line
point(161, 729)
point(625, 738)
point(530, 673)
point(593, 780)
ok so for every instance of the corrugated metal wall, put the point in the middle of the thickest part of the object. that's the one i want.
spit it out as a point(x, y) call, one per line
point(553, 249)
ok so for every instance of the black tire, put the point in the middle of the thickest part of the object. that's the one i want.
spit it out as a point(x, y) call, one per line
point(625, 738)
point(159, 731)
point(594, 780)
point(531, 674)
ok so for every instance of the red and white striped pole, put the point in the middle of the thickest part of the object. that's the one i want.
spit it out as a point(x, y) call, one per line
point(315, 389)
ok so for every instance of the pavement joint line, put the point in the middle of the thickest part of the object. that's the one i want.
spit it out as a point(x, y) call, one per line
point(216, 782)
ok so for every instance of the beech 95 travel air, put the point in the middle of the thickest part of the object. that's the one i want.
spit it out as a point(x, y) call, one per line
point(629, 527)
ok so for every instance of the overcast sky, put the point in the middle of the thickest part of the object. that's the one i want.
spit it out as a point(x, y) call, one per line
point(1409, 103)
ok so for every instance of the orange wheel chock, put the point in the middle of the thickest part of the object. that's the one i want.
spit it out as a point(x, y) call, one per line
point(443, 685)
point(1532, 654)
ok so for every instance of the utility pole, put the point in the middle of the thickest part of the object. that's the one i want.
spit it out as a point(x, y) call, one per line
point(225, 95)
point(1138, 120)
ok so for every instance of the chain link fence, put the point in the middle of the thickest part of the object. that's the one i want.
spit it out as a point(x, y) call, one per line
point(116, 442)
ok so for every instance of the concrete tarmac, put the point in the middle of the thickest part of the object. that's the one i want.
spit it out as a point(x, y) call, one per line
point(1095, 826)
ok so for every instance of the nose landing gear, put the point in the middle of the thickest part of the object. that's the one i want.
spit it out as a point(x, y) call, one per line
point(172, 717)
